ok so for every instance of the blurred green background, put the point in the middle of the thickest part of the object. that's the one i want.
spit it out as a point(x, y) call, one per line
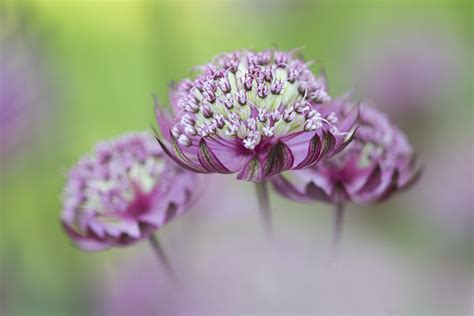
point(103, 60)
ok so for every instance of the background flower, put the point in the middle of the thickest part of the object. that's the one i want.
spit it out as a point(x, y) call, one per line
point(377, 163)
point(123, 192)
point(27, 106)
point(407, 69)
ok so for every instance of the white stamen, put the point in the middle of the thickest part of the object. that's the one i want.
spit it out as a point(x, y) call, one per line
point(332, 117)
point(184, 140)
point(321, 96)
point(275, 115)
point(262, 115)
point(189, 129)
point(268, 130)
point(175, 131)
point(251, 123)
point(232, 130)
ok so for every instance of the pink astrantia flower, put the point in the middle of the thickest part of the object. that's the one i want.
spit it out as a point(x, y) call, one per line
point(123, 192)
point(377, 163)
point(253, 113)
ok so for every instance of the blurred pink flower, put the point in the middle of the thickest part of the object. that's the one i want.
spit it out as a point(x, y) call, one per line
point(407, 70)
point(25, 101)
point(123, 192)
point(377, 163)
point(255, 113)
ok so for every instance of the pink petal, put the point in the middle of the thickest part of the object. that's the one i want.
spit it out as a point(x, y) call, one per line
point(208, 159)
point(280, 158)
point(252, 171)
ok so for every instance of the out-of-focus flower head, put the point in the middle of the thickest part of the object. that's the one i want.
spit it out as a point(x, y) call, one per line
point(253, 113)
point(377, 163)
point(123, 192)
point(25, 101)
point(408, 70)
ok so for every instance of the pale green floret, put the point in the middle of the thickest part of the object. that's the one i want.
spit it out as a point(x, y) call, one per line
point(145, 175)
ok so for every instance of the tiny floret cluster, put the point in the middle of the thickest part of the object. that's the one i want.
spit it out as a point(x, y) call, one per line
point(379, 162)
point(122, 192)
point(252, 113)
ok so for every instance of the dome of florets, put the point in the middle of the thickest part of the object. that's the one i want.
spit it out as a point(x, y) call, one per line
point(241, 105)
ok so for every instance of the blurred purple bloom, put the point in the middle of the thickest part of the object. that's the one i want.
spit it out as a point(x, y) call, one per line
point(255, 113)
point(409, 69)
point(377, 163)
point(123, 192)
point(25, 103)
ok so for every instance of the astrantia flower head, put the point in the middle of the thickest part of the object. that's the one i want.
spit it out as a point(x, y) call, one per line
point(377, 163)
point(255, 113)
point(123, 192)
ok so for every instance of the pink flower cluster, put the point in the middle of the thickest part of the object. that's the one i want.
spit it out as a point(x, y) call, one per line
point(123, 192)
point(379, 162)
point(263, 115)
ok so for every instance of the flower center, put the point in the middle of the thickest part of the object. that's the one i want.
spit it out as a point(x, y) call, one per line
point(378, 140)
point(250, 97)
point(118, 179)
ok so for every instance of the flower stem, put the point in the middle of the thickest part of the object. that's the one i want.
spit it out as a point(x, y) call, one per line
point(160, 254)
point(264, 206)
point(338, 223)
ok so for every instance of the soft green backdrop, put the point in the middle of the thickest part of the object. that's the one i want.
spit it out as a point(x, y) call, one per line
point(107, 58)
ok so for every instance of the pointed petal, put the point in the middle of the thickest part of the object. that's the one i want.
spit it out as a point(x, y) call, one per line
point(182, 156)
point(164, 120)
point(298, 144)
point(409, 177)
point(85, 243)
point(280, 158)
point(314, 150)
point(316, 193)
point(251, 171)
point(373, 181)
point(231, 158)
point(391, 186)
point(177, 159)
point(346, 142)
point(328, 143)
point(208, 159)
point(288, 189)
point(379, 186)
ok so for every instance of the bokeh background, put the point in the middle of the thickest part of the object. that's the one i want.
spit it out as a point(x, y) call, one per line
point(76, 72)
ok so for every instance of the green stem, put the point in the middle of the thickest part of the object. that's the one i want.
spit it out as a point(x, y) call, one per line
point(160, 254)
point(264, 206)
point(338, 223)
